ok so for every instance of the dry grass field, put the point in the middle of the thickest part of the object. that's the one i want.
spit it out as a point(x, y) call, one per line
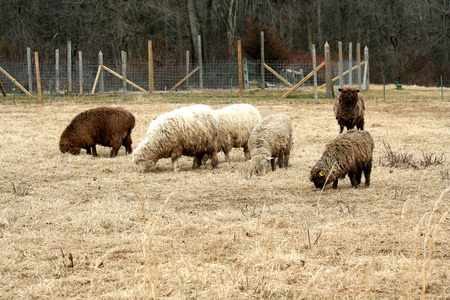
point(84, 227)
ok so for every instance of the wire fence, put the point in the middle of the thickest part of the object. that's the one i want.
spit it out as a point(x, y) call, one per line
point(215, 75)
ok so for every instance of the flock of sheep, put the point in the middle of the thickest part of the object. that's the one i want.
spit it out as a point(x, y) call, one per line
point(201, 132)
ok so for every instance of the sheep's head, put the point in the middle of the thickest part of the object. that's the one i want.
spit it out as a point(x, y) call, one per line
point(319, 177)
point(66, 144)
point(348, 95)
point(260, 164)
point(143, 164)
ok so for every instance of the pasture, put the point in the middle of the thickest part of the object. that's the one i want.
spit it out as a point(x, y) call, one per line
point(84, 227)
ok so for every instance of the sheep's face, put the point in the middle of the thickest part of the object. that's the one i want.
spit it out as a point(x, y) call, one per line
point(67, 146)
point(318, 177)
point(261, 164)
point(348, 95)
point(143, 165)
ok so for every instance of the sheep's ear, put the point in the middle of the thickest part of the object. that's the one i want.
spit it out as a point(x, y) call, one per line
point(340, 90)
point(321, 174)
point(268, 158)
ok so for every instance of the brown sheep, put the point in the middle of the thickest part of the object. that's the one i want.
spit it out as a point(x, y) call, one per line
point(106, 126)
point(349, 153)
point(349, 109)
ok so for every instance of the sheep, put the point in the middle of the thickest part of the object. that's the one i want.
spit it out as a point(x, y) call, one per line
point(271, 138)
point(349, 109)
point(106, 126)
point(190, 131)
point(236, 123)
point(349, 153)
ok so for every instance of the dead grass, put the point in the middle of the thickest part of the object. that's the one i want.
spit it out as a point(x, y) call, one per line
point(95, 228)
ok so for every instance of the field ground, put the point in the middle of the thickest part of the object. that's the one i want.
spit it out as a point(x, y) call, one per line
point(84, 227)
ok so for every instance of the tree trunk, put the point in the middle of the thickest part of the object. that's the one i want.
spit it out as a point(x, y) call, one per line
point(194, 26)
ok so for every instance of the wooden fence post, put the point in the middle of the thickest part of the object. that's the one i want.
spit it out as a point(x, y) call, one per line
point(38, 76)
point(30, 71)
point(245, 67)
point(80, 67)
point(350, 79)
point(358, 57)
point(341, 66)
point(69, 66)
point(366, 69)
point(100, 62)
point(57, 70)
point(329, 83)
point(200, 61)
point(188, 68)
point(316, 100)
point(241, 92)
point(150, 68)
point(263, 83)
point(124, 74)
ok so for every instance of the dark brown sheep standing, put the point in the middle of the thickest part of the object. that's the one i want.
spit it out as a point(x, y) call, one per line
point(349, 109)
point(106, 126)
point(349, 153)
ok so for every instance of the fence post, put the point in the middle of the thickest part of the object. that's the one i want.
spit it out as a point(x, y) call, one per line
point(188, 69)
point(245, 67)
point(80, 67)
point(341, 77)
point(329, 84)
point(263, 83)
point(57, 70)
point(241, 92)
point(315, 73)
point(366, 69)
point(358, 55)
point(150, 68)
point(38, 76)
point(30, 72)
point(100, 63)
point(124, 74)
point(350, 71)
point(69, 66)
point(200, 61)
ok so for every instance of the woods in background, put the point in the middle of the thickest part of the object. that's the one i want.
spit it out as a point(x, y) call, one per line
point(408, 40)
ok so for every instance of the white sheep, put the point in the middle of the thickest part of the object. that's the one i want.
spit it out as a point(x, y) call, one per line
point(190, 131)
point(236, 123)
point(270, 139)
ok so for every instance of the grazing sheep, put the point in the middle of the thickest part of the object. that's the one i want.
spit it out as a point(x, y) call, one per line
point(106, 126)
point(349, 109)
point(349, 153)
point(190, 131)
point(271, 138)
point(236, 123)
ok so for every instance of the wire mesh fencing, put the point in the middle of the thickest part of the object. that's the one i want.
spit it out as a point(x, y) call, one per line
point(213, 75)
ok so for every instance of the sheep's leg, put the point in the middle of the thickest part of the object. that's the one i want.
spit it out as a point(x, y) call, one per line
point(358, 176)
point(214, 160)
point(286, 159)
point(341, 128)
point(360, 125)
point(94, 151)
point(227, 155)
point(175, 163)
point(127, 144)
point(280, 160)
point(353, 180)
point(367, 171)
point(114, 152)
point(88, 150)
point(272, 162)
point(335, 184)
point(247, 154)
point(197, 161)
